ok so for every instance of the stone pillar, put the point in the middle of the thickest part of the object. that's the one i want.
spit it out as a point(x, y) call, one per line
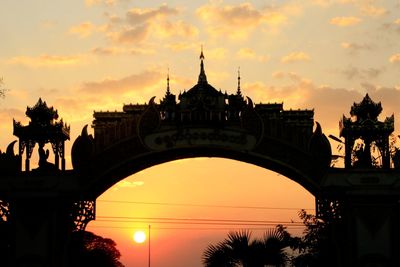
point(372, 237)
point(41, 229)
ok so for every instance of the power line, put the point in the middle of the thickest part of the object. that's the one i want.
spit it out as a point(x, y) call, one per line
point(197, 223)
point(205, 220)
point(203, 205)
point(191, 228)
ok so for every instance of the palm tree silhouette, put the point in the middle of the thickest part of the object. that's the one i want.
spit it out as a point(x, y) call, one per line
point(238, 250)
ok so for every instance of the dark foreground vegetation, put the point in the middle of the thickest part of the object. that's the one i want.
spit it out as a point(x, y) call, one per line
point(277, 247)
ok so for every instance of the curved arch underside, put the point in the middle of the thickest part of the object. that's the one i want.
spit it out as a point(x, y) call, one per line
point(119, 162)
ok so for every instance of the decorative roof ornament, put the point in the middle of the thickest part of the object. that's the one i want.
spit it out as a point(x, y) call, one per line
point(168, 90)
point(366, 109)
point(202, 75)
point(239, 92)
point(41, 113)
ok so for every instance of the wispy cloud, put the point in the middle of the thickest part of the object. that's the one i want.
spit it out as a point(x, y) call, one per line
point(84, 29)
point(131, 35)
point(98, 2)
point(248, 53)
point(137, 16)
point(345, 21)
point(46, 61)
point(367, 9)
point(132, 82)
point(178, 28)
point(352, 72)
point(117, 50)
point(140, 24)
point(392, 26)
point(238, 21)
point(355, 48)
point(295, 57)
point(290, 75)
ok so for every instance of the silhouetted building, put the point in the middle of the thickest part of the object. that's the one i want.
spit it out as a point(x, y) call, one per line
point(42, 128)
point(363, 126)
point(204, 105)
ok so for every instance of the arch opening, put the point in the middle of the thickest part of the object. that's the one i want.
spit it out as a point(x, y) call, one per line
point(197, 188)
point(290, 164)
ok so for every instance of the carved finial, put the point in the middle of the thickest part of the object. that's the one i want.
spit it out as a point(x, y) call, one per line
point(202, 75)
point(239, 93)
point(168, 91)
point(201, 54)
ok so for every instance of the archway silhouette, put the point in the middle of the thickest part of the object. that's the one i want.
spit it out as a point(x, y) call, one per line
point(130, 166)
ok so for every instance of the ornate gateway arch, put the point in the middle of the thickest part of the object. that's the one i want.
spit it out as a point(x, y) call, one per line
point(39, 208)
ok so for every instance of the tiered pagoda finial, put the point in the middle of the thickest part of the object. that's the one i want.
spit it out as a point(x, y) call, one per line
point(168, 103)
point(41, 113)
point(42, 129)
point(168, 90)
point(363, 132)
point(202, 75)
point(366, 109)
point(239, 92)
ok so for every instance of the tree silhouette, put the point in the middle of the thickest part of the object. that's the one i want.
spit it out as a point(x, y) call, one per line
point(314, 248)
point(88, 249)
point(239, 250)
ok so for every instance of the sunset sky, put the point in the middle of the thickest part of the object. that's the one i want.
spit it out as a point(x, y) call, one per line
point(86, 55)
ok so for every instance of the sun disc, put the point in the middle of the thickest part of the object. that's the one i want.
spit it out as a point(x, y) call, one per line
point(139, 237)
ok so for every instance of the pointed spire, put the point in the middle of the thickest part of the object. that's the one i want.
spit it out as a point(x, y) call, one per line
point(239, 92)
point(202, 75)
point(168, 91)
point(201, 54)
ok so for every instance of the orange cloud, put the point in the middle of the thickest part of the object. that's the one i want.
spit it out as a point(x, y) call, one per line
point(291, 75)
point(137, 15)
point(237, 21)
point(140, 24)
point(108, 51)
point(345, 21)
point(397, 21)
point(370, 10)
point(46, 61)
point(179, 28)
point(83, 30)
point(295, 57)
point(395, 58)
point(248, 53)
point(242, 14)
point(132, 82)
point(97, 2)
point(131, 35)
point(354, 47)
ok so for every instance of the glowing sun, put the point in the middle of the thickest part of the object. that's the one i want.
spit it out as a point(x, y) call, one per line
point(139, 237)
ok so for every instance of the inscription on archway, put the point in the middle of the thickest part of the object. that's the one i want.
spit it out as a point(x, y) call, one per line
point(200, 137)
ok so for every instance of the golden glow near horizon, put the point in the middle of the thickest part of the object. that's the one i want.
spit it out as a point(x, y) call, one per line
point(87, 55)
